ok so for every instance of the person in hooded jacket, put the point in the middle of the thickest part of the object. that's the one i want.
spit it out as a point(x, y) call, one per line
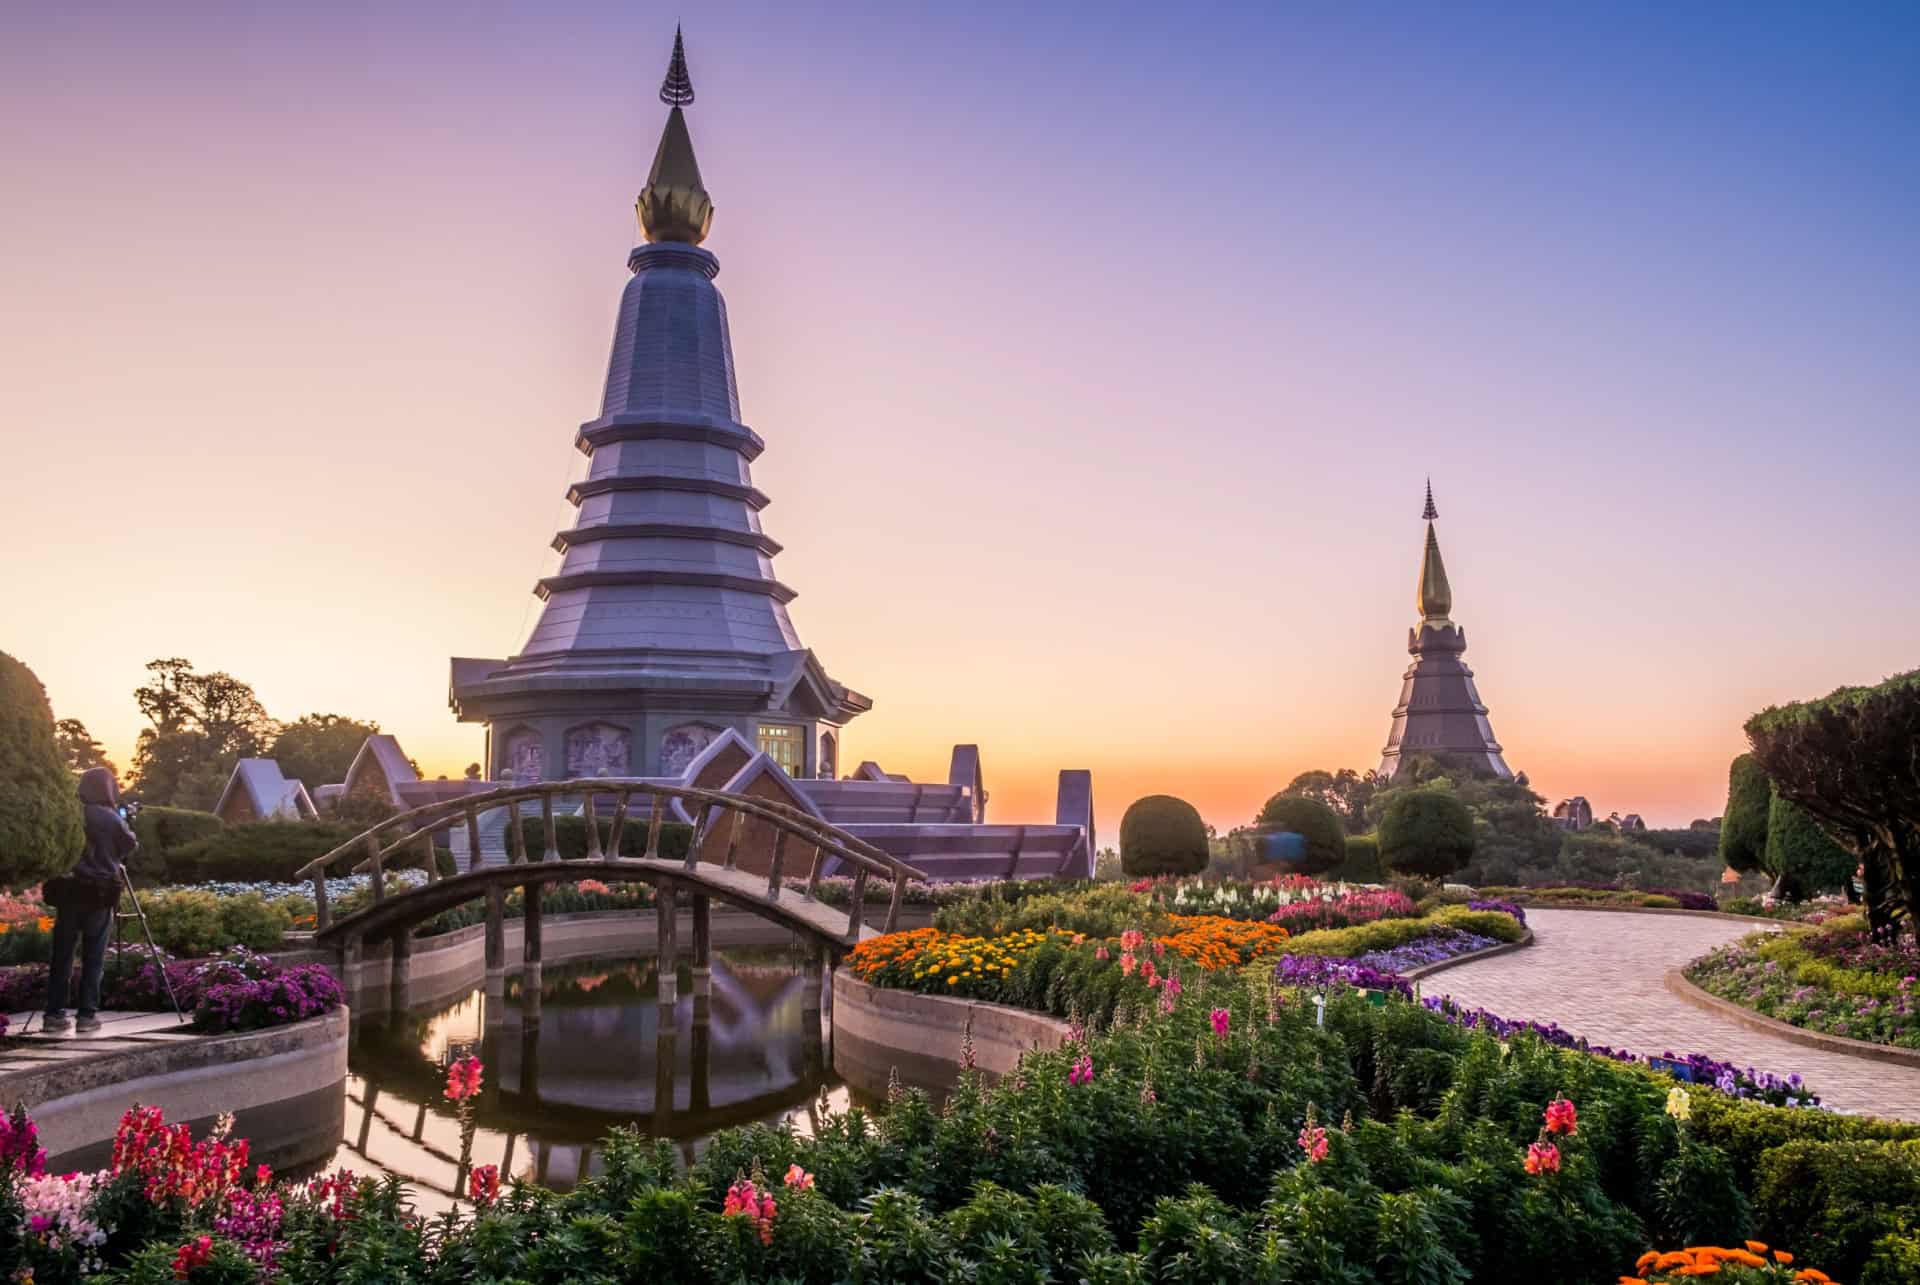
point(84, 901)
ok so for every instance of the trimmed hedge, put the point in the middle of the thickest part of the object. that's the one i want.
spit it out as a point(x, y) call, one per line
point(1362, 863)
point(1385, 934)
point(1743, 830)
point(570, 836)
point(1162, 835)
point(40, 814)
point(1314, 822)
point(1802, 855)
point(1426, 832)
point(161, 830)
point(261, 851)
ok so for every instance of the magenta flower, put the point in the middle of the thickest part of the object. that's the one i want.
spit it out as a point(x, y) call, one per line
point(463, 1079)
point(1221, 1020)
point(1314, 1142)
point(1082, 1071)
point(1543, 1157)
point(1562, 1118)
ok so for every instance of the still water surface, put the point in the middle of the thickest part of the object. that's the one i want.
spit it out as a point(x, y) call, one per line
point(595, 1051)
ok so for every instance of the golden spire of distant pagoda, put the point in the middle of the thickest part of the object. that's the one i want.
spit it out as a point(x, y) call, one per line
point(1435, 598)
point(673, 206)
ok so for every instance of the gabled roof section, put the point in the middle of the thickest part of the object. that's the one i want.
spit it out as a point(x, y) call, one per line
point(270, 794)
point(771, 779)
point(801, 685)
point(381, 754)
point(728, 745)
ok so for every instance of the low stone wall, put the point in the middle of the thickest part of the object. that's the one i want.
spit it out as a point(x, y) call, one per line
point(285, 1084)
point(447, 965)
point(877, 1031)
point(1677, 982)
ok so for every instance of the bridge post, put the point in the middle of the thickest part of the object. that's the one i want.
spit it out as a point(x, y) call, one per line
point(666, 934)
point(530, 949)
point(399, 972)
point(496, 942)
point(702, 952)
point(350, 952)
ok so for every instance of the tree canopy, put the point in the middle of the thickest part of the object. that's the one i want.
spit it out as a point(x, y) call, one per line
point(1743, 832)
point(1427, 832)
point(1802, 856)
point(40, 825)
point(201, 725)
point(78, 747)
point(1317, 824)
point(1513, 835)
point(317, 749)
point(1849, 759)
point(1346, 792)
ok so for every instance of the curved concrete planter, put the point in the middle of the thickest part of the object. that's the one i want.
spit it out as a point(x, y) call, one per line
point(285, 1086)
point(1686, 990)
point(877, 1031)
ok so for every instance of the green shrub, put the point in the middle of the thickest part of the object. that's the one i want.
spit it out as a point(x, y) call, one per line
point(192, 921)
point(1426, 832)
point(1316, 824)
point(260, 850)
point(1832, 1201)
point(1385, 934)
point(161, 830)
point(1743, 831)
point(1803, 856)
point(1362, 864)
point(1100, 911)
point(1162, 835)
point(570, 836)
point(40, 828)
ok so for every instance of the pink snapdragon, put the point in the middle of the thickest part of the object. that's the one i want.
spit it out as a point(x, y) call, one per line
point(1127, 963)
point(1562, 1118)
point(744, 1200)
point(1221, 1020)
point(798, 1177)
point(463, 1079)
point(483, 1185)
point(1313, 1141)
point(1082, 1071)
point(1543, 1157)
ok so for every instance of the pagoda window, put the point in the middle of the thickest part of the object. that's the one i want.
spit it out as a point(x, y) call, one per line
point(785, 744)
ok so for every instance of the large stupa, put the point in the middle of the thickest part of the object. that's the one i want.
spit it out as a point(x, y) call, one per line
point(664, 626)
point(1440, 714)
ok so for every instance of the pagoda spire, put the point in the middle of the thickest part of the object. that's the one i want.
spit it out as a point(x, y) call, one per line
point(674, 206)
point(1435, 597)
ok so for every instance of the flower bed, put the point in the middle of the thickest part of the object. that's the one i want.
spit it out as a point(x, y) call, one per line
point(1832, 980)
point(1344, 910)
point(1602, 894)
point(236, 991)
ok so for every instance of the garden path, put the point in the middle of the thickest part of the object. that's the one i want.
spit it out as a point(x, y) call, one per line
point(1602, 976)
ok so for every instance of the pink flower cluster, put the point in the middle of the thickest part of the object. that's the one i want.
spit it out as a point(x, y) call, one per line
point(483, 1185)
point(252, 1220)
point(1542, 1157)
point(1170, 989)
point(746, 1201)
point(172, 1163)
point(56, 1210)
point(463, 1079)
point(1221, 1020)
point(799, 1178)
point(1561, 1117)
point(197, 1252)
point(20, 1148)
point(1082, 1071)
point(1313, 1141)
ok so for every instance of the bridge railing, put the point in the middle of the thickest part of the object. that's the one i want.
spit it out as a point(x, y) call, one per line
point(406, 840)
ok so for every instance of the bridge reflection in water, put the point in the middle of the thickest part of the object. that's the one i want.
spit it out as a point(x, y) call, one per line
point(587, 1051)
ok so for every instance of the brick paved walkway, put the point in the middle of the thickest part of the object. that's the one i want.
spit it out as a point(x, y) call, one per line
point(1602, 976)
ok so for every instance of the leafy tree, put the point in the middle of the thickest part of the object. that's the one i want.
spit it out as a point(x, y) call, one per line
point(1513, 835)
point(1426, 832)
point(78, 747)
point(40, 830)
point(1849, 760)
point(1162, 835)
point(1314, 821)
point(202, 724)
point(319, 748)
point(1802, 857)
point(1743, 834)
point(1347, 792)
point(473, 771)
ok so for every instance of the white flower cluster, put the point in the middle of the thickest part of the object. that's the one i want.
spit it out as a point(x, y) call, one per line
point(55, 1210)
point(336, 888)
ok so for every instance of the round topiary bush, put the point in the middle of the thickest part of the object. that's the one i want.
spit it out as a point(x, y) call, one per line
point(1362, 864)
point(40, 830)
point(1323, 841)
point(1428, 833)
point(1162, 835)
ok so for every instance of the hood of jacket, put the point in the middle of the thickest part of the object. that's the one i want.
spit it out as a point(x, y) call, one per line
point(97, 788)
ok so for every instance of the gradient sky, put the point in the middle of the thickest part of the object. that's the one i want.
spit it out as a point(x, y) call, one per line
point(1100, 351)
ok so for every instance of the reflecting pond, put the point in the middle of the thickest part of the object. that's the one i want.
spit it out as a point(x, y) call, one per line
point(591, 1049)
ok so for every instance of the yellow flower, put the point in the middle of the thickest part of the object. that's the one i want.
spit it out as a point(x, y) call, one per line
point(954, 980)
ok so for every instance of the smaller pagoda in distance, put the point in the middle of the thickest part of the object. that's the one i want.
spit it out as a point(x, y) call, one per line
point(1439, 715)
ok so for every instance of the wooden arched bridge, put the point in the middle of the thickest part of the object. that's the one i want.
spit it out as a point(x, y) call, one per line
point(731, 832)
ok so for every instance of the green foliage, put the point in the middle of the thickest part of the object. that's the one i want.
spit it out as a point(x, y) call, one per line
point(1699, 842)
point(40, 813)
point(201, 725)
point(1513, 835)
point(1833, 1201)
point(1743, 831)
point(161, 830)
point(317, 749)
point(570, 837)
point(1314, 822)
point(1362, 863)
point(1427, 832)
point(78, 747)
point(1385, 934)
point(1098, 911)
point(190, 921)
point(1346, 792)
point(259, 850)
point(1162, 835)
point(1802, 855)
